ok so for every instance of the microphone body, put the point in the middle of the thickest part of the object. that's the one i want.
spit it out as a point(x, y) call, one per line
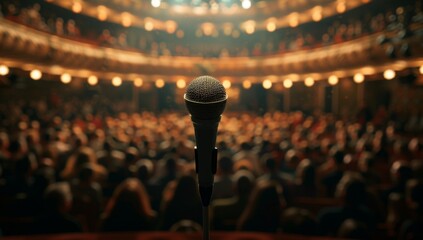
point(205, 100)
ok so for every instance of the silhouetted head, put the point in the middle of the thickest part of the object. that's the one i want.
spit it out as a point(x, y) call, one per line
point(414, 195)
point(352, 190)
point(298, 221)
point(366, 162)
point(225, 164)
point(353, 229)
point(244, 182)
point(306, 173)
point(58, 198)
point(129, 198)
point(205, 98)
point(401, 172)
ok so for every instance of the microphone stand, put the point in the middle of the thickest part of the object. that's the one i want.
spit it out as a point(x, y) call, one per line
point(206, 223)
point(205, 195)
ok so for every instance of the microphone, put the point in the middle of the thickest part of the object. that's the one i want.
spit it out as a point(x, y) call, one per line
point(205, 99)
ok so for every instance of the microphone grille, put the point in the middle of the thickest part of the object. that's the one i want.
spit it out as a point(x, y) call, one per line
point(205, 89)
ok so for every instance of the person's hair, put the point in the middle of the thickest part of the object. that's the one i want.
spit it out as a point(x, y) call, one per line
point(86, 173)
point(131, 155)
point(83, 157)
point(225, 164)
point(401, 172)
point(337, 155)
point(306, 173)
point(291, 157)
point(244, 182)
point(298, 221)
point(144, 169)
point(264, 208)
point(414, 195)
point(26, 165)
point(186, 226)
point(58, 197)
point(366, 161)
point(353, 229)
point(269, 162)
point(185, 186)
point(128, 198)
point(352, 190)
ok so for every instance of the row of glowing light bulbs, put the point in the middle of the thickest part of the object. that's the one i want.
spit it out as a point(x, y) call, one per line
point(246, 4)
point(181, 83)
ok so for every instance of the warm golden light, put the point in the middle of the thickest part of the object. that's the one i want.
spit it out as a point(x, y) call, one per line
point(389, 74)
point(180, 33)
point(171, 26)
point(160, 83)
point(358, 78)
point(226, 84)
point(101, 13)
point(317, 13)
point(293, 19)
point(138, 82)
point(126, 19)
point(309, 82)
point(246, 84)
point(181, 83)
point(76, 7)
point(66, 78)
point(4, 70)
point(333, 80)
point(148, 24)
point(227, 29)
point(271, 25)
point(116, 81)
point(92, 80)
point(421, 69)
point(287, 83)
point(250, 27)
point(207, 28)
point(35, 74)
point(267, 84)
point(341, 7)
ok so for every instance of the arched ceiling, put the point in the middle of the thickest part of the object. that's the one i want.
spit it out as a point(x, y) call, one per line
point(281, 13)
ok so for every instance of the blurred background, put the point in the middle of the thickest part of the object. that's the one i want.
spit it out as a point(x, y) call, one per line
point(321, 137)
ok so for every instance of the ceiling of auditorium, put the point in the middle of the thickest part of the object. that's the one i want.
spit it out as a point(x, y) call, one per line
point(278, 13)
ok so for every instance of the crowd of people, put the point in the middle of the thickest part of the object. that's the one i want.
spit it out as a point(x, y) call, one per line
point(83, 166)
point(351, 25)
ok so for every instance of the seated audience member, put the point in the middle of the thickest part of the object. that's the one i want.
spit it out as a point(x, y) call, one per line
point(290, 164)
point(264, 208)
point(352, 229)
point(396, 214)
point(352, 192)
point(223, 183)
point(166, 174)
point(273, 174)
point(400, 173)
point(55, 219)
point(247, 154)
point(305, 181)
point(366, 164)
point(83, 156)
point(22, 181)
point(413, 228)
point(180, 201)
point(332, 178)
point(226, 212)
point(129, 209)
point(298, 221)
point(144, 170)
point(186, 226)
point(87, 201)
